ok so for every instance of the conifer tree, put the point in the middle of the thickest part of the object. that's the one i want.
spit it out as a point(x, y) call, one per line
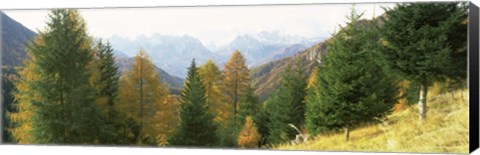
point(287, 105)
point(261, 119)
point(106, 79)
point(248, 104)
point(426, 42)
point(351, 86)
point(236, 80)
point(197, 127)
point(248, 136)
point(9, 77)
point(212, 81)
point(56, 92)
point(141, 98)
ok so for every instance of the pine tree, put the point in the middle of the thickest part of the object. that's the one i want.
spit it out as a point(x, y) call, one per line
point(141, 98)
point(197, 127)
point(351, 86)
point(287, 105)
point(248, 104)
point(106, 79)
point(426, 42)
point(261, 119)
point(236, 80)
point(55, 99)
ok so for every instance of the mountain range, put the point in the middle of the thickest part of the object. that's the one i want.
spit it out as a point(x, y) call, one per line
point(15, 37)
point(267, 53)
point(174, 53)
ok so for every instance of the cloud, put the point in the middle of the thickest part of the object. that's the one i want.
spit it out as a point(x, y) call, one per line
point(210, 24)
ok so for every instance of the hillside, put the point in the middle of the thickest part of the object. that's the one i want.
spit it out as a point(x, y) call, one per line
point(14, 37)
point(446, 130)
point(267, 76)
point(173, 81)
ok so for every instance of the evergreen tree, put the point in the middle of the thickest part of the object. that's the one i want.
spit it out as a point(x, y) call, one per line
point(351, 86)
point(248, 104)
point(106, 79)
point(56, 92)
point(141, 98)
point(426, 42)
point(197, 127)
point(261, 119)
point(287, 105)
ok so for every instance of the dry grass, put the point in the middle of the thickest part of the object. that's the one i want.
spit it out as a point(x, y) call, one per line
point(445, 130)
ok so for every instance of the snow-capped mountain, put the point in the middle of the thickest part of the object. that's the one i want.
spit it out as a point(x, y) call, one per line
point(174, 53)
point(171, 53)
point(252, 49)
point(266, 46)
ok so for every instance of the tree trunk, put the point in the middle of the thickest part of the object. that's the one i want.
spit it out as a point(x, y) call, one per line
point(422, 102)
point(347, 133)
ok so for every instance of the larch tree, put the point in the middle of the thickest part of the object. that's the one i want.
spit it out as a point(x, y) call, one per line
point(212, 80)
point(141, 96)
point(55, 91)
point(426, 42)
point(9, 77)
point(248, 136)
point(197, 127)
point(170, 119)
point(351, 88)
point(236, 81)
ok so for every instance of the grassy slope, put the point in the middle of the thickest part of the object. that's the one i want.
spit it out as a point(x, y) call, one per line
point(446, 130)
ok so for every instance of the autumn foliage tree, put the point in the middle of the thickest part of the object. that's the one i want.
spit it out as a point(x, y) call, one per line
point(141, 98)
point(212, 80)
point(237, 79)
point(248, 136)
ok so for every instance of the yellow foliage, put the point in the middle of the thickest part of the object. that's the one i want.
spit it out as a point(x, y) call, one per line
point(402, 102)
point(212, 76)
point(311, 79)
point(22, 119)
point(248, 136)
point(236, 80)
point(169, 118)
point(142, 94)
point(446, 130)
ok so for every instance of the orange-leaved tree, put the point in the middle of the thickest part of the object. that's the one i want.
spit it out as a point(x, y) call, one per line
point(249, 136)
point(140, 98)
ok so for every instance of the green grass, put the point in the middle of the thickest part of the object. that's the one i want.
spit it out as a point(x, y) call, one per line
point(444, 131)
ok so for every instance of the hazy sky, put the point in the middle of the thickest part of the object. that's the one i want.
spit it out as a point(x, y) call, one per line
point(218, 24)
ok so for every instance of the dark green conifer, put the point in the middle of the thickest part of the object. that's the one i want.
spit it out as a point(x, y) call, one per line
point(351, 88)
point(197, 127)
